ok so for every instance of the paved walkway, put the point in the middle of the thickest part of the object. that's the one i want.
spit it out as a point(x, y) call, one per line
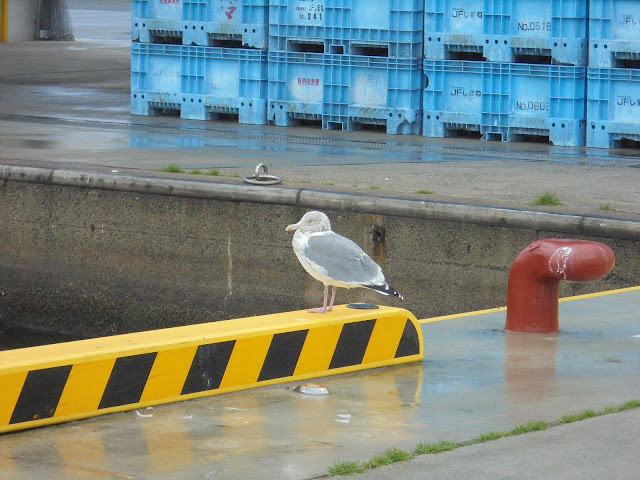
point(603, 447)
point(474, 379)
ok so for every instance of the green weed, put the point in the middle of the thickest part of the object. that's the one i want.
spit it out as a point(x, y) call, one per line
point(346, 468)
point(172, 168)
point(430, 448)
point(547, 199)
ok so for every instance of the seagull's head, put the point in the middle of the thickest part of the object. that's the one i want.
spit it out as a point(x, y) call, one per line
point(312, 222)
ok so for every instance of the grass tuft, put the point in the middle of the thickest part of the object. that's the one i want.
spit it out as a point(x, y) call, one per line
point(390, 456)
point(213, 172)
point(172, 168)
point(196, 171)
point(547, 199)
point(489, 436)
point(346, 468)
point(578, 416)
point(426, 192)
point(374, 187)
point(430, 448)
point(529, 427)
point(607, 207)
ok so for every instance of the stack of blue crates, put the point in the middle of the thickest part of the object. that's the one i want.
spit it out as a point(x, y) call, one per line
point(613, 76)
point(506, 69)
point(565, 70)
point(201, 58)
point(346, 63)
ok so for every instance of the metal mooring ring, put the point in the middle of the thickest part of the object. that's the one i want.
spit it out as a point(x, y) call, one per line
point(262, 178)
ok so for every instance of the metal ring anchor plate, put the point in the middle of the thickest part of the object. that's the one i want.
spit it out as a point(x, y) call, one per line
point(262, 177)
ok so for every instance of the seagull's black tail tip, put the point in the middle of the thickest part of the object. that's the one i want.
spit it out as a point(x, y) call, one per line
point(386, 289)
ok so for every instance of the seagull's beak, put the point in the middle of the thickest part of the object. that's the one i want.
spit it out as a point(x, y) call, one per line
point(291, 227)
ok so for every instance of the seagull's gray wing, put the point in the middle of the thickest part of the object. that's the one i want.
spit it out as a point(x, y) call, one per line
point(343, 259)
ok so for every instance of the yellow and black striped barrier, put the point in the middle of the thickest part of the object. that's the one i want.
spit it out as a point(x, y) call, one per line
point(68, 381)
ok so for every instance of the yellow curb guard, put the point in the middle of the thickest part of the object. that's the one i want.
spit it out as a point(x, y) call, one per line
point(68, 381)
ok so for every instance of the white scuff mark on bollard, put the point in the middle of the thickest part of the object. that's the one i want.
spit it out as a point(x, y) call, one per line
point(141, 415)
point(558, 261)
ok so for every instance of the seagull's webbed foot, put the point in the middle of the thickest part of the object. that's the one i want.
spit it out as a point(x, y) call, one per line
point(319, 310)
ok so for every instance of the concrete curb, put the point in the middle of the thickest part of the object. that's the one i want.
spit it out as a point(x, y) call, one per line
point(315, 199)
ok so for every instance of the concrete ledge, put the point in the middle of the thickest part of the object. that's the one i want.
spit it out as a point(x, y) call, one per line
point(67, 381)
point(314, 199)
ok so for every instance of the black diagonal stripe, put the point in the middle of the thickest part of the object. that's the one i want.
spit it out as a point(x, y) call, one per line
point(127, 380)
point(208, 367)
point(352, 344)
point(283, 354)
point(409, 341)
point(40, 394)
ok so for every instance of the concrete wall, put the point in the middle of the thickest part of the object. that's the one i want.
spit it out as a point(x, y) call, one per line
point(91, 254)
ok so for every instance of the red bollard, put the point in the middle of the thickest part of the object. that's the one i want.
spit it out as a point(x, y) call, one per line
point(535, 275)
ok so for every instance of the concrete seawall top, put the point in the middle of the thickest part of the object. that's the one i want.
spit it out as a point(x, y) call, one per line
point(566, 223)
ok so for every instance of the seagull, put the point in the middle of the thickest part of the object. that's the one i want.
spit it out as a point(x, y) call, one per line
point(334, 260)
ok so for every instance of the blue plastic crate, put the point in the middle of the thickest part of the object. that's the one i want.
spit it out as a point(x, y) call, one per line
point(201, 82)
point(613, 106)
point(503, 30)
point(234, 23)
point(358, 27)
point(345, 91)
point(216, 22)
point(614, 33)
point(504, 101)
point(156, 21)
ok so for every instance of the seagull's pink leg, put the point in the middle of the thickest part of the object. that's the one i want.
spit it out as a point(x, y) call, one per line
point(324, 304)
point(333, 297)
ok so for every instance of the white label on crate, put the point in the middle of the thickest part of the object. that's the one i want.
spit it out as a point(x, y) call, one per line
point(305, 85)
point(307, 12)
point(229, 11)
point(465, 17)
point(166, 9)
point(368, 88)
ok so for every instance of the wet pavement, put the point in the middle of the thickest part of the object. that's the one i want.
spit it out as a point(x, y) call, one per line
point(474, 379)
